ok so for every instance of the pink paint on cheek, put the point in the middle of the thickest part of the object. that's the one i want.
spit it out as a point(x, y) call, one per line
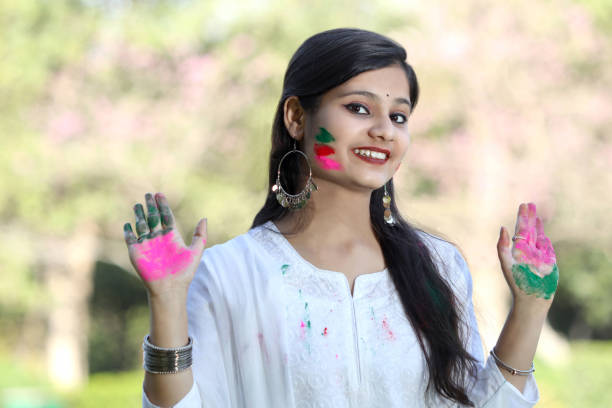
point(161, 256)
point(327, 163)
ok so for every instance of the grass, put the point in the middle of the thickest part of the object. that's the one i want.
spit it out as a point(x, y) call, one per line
point(584, 381)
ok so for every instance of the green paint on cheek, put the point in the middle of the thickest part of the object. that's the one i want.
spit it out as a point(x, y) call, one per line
point(533, 284)
point(324, 136)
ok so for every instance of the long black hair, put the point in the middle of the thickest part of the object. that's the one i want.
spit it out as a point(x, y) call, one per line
point(321, 63)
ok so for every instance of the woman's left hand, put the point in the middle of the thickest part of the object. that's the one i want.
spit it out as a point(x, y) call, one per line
point(529, 262)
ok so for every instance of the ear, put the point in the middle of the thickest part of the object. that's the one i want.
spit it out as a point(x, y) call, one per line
point(294, 117)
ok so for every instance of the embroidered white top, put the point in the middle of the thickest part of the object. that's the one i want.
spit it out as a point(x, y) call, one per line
point(272, 330)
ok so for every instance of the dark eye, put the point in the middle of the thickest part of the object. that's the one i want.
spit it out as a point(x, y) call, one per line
point(357, 108)
point(402, 118)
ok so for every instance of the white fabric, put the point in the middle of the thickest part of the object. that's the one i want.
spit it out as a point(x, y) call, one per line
point(272, 330)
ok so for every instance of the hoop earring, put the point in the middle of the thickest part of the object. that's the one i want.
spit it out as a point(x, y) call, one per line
point(389, 218)
point(293, 201)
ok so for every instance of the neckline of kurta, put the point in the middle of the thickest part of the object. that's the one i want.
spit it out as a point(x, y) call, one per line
point(363, 279)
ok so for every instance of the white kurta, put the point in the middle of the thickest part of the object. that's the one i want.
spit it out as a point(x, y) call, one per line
point(272, 330)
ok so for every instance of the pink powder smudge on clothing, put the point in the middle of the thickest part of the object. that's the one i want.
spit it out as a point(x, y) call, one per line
point(324, 332)
point(302, 330)
point(327, 163)
point(161, 256)
point(385, 326)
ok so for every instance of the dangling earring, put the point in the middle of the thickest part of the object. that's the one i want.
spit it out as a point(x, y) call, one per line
point(293, 201)
point(389, 218)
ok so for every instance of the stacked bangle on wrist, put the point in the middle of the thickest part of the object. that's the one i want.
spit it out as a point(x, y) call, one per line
point(511, 370)
point(159, 360)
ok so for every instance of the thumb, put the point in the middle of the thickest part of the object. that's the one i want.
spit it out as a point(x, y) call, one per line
point(503, 248)
point(198, 242)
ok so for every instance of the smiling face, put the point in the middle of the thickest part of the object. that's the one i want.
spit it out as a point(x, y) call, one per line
point(359, 134)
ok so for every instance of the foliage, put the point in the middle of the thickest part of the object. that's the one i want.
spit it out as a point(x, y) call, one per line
point(582, 307)
point(104, 101)
point(119, 315)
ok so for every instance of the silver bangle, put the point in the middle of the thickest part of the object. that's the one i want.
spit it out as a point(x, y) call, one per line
point(160, 360)
point(511, 370)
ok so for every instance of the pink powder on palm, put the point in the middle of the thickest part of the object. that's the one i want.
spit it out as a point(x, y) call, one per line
point(161, 256)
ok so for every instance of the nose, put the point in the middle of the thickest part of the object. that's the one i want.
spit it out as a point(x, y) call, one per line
point(382, 129)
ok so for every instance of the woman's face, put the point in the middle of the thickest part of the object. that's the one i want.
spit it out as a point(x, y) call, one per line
point(366, 115)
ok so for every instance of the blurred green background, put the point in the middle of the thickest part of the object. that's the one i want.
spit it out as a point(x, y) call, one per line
point(103, 101)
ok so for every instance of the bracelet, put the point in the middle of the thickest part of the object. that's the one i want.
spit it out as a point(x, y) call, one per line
point(511, 370)
point(159, 360)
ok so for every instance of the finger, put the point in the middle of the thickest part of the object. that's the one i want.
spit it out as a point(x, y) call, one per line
point(167, 218)
point(503, 245)
point(522, 220)
point(141, 224)
point(198, 242)
point(503, 252)
point(542, 238)
point(531, 217)
point(152, 213)
point(544, 244)
point(128, 234)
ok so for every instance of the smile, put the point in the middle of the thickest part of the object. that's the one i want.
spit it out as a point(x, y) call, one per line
point(371, 156)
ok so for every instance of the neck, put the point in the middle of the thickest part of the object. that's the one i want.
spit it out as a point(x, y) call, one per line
point(334, 216)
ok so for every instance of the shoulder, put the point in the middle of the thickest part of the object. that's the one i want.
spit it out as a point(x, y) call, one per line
point(450, 262)
point(238, 259)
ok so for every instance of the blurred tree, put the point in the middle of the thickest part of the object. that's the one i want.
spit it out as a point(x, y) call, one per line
point(117, 307)
point(583, 306)
point(103, 103)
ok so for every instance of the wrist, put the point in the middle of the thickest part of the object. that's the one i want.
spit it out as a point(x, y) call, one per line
point(530, 306)
point(168, 298)
point(528, 315)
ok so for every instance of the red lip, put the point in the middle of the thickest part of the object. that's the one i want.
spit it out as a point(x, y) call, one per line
point(374, 149)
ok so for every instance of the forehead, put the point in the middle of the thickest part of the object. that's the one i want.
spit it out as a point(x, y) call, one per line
point(390, 80)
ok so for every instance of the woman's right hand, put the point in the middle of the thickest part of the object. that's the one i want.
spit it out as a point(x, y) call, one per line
point(159, 254)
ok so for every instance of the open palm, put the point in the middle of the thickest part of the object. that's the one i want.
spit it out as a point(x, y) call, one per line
point(530, 266)
point(159, 254)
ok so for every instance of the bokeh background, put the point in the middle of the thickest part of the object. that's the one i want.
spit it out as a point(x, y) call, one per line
point(103, 101)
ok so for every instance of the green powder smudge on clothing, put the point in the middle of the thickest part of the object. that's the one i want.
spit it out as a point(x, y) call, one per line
point(284, 268)
point(533, 284)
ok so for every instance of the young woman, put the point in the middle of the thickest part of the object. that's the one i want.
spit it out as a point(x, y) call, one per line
point(332, 299)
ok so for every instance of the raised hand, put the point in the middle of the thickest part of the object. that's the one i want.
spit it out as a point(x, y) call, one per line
point(530, 266)
point(159, 254)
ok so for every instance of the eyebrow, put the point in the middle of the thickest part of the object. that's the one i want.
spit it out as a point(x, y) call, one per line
point(371, 95)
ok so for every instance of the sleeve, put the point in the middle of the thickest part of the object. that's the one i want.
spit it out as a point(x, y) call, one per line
point(192, 399)
point(490, 389)
point(206, 310)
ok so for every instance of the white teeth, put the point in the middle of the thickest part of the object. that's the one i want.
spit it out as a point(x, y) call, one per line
point(370, 153)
